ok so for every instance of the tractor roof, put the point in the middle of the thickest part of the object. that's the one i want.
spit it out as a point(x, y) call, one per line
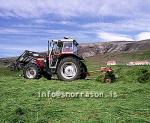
point(65, 40)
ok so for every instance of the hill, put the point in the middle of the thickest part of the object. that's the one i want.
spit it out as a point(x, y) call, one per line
point(6, 61)
point(93, 49)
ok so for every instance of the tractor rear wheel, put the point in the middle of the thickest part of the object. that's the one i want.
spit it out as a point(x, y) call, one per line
point(32, 71)
point(69, 69)
point(83, 71)
point(47, 75)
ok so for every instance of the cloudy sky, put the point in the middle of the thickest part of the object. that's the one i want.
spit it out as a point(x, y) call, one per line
point(28, 24)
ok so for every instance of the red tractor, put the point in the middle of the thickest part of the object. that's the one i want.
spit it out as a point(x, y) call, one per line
point(62, 59)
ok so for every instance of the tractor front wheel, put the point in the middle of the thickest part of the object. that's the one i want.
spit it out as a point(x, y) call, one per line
point(32, 71)
point(69, 69)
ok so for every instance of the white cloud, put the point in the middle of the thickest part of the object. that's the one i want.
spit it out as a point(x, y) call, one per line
point(29, 31)
point(143, 36)
point(40, 21)
point(22, 48)
point(122, 25)
point(105, 36)
point(8, 31)
point(67, 8)
point(10, 50)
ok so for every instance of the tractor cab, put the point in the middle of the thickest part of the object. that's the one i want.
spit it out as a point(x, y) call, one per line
point(63, 46)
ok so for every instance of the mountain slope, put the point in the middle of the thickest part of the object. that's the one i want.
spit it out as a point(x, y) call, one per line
point(115, 46)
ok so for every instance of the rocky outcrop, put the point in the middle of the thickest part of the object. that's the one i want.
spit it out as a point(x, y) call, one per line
point(115, 46)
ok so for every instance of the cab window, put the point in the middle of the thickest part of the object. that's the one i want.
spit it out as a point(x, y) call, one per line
point(56, 48)
point(67, 47)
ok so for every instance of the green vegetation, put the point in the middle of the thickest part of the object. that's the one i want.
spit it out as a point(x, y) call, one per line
point(20, 101)
point(121, 58)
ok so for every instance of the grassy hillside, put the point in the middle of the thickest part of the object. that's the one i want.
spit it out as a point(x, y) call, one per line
point(121, 58)
point(20, 101)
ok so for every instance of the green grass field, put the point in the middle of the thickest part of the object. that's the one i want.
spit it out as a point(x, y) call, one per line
point(20, 101)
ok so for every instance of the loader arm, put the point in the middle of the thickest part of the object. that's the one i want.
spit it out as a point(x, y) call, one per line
point(24, 59)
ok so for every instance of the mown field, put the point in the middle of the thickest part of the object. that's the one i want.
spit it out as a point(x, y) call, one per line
point(20, 101)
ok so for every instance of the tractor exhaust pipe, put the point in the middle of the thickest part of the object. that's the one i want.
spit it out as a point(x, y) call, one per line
point(48, 47)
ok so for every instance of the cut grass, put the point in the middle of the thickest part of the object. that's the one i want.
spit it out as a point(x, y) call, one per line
point(20, 101)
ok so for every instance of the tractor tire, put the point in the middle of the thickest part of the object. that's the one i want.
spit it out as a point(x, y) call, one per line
point(69, 69)
point(32, 71)
point(47, 76)
point(83, 71)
